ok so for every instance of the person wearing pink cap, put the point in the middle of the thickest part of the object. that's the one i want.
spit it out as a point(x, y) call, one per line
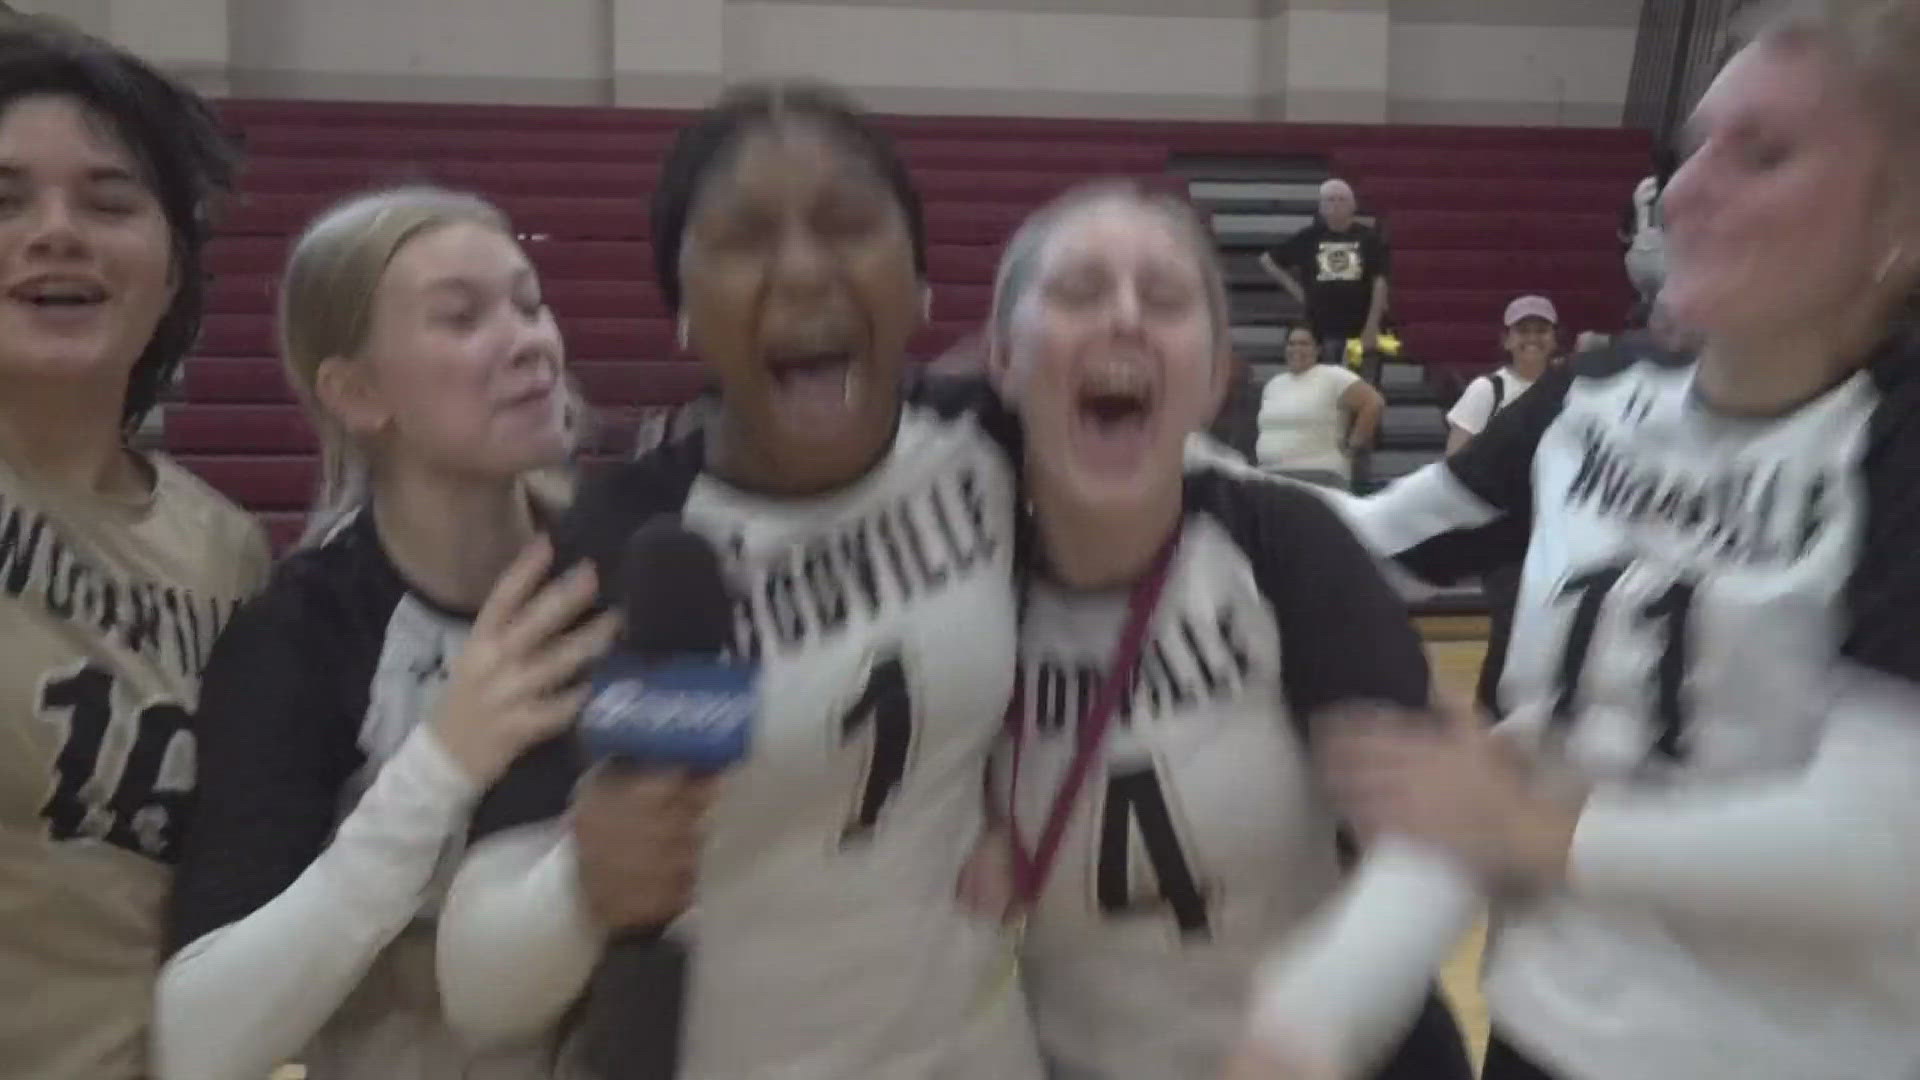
point(1532, 340)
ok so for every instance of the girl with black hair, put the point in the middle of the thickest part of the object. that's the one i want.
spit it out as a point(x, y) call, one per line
point(870, 543)
point(117, 568)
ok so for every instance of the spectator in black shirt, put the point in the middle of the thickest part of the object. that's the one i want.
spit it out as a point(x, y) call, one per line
point(1338, 269)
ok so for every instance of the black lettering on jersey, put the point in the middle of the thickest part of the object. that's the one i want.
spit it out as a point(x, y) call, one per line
point(746, 632)
point(1638, 407)
point(1164, 683)
point(964, 555)
point(783, 606)
point(1134, 704)
point(883, 530)
point(985, 544)
point(63, 580)
point(37, 562)
point(141, 811)
point(1238, 649)
point(1137, 804)
point(19, 539)
point(932, 571)
point(856, 551)
point(1053, 697)
point(885, 708)
point(1814, 513)
point(1214, 681)
point(190, 615)
point(171, 601)
point(109, 606)
point(1754, 513)
point(1220, 660)
point(826, 588)
point(924, 544)
point(144, 629)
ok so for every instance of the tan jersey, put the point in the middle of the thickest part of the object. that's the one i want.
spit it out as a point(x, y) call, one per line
point(107, 613)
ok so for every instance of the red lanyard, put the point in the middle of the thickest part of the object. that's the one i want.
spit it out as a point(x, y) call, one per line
point(1031, 866)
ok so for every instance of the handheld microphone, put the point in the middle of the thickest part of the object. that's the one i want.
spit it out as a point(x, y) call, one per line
point(665, 699)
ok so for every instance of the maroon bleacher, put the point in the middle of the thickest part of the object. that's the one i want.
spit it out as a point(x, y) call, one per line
point(1475, 214)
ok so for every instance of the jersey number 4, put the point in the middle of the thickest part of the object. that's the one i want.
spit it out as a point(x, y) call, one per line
point(1668, 615)
point(138, 812)
point(1136, 803)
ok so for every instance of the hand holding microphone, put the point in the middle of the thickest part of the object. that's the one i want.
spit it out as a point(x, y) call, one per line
point(638, 835)
point(513, 684)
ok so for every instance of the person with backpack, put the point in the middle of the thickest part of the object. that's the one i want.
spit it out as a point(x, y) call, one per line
point(1532, 341)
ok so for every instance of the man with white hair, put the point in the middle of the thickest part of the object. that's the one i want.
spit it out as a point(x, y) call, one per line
point(1337, 268)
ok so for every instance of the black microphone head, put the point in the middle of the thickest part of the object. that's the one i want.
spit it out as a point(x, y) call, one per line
point(674, 596)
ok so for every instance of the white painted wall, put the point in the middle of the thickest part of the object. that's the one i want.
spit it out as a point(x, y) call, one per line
point(1494, 61)
point(927, 56)
point(384, 43)
point(1337, 66)
point(1539, 74)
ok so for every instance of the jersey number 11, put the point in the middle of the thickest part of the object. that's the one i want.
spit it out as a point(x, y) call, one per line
point(1669, 615)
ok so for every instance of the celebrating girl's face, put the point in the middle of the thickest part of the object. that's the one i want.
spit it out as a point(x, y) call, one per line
point(800, 289)
point(463, 360)
point(1112, 354)
point(1778, 214)
point(85, 255)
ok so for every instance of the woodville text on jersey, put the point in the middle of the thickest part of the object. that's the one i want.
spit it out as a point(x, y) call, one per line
point(172, 626)
point(1194, 658)
point(1758, 513)
point(921, 544)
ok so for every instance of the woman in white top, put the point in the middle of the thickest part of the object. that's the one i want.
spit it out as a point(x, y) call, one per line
point(1531, 340)
point(1313, 416)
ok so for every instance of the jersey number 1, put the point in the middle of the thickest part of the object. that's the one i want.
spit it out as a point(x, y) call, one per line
point(136, 814)
point(1670, 614)
point(886, 707)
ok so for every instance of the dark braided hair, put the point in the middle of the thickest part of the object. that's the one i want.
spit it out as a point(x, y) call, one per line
point(177, 146)
point(705, 142)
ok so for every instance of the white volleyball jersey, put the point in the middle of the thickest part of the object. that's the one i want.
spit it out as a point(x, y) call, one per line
point(826, 938)
point(1201, 837)
point(108, 610)
point(1695, 586)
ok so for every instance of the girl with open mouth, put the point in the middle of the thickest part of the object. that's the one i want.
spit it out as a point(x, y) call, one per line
point(1184, 621)
point(869, 541)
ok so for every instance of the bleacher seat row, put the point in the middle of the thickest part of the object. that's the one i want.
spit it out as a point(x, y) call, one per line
point(1475, 215)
